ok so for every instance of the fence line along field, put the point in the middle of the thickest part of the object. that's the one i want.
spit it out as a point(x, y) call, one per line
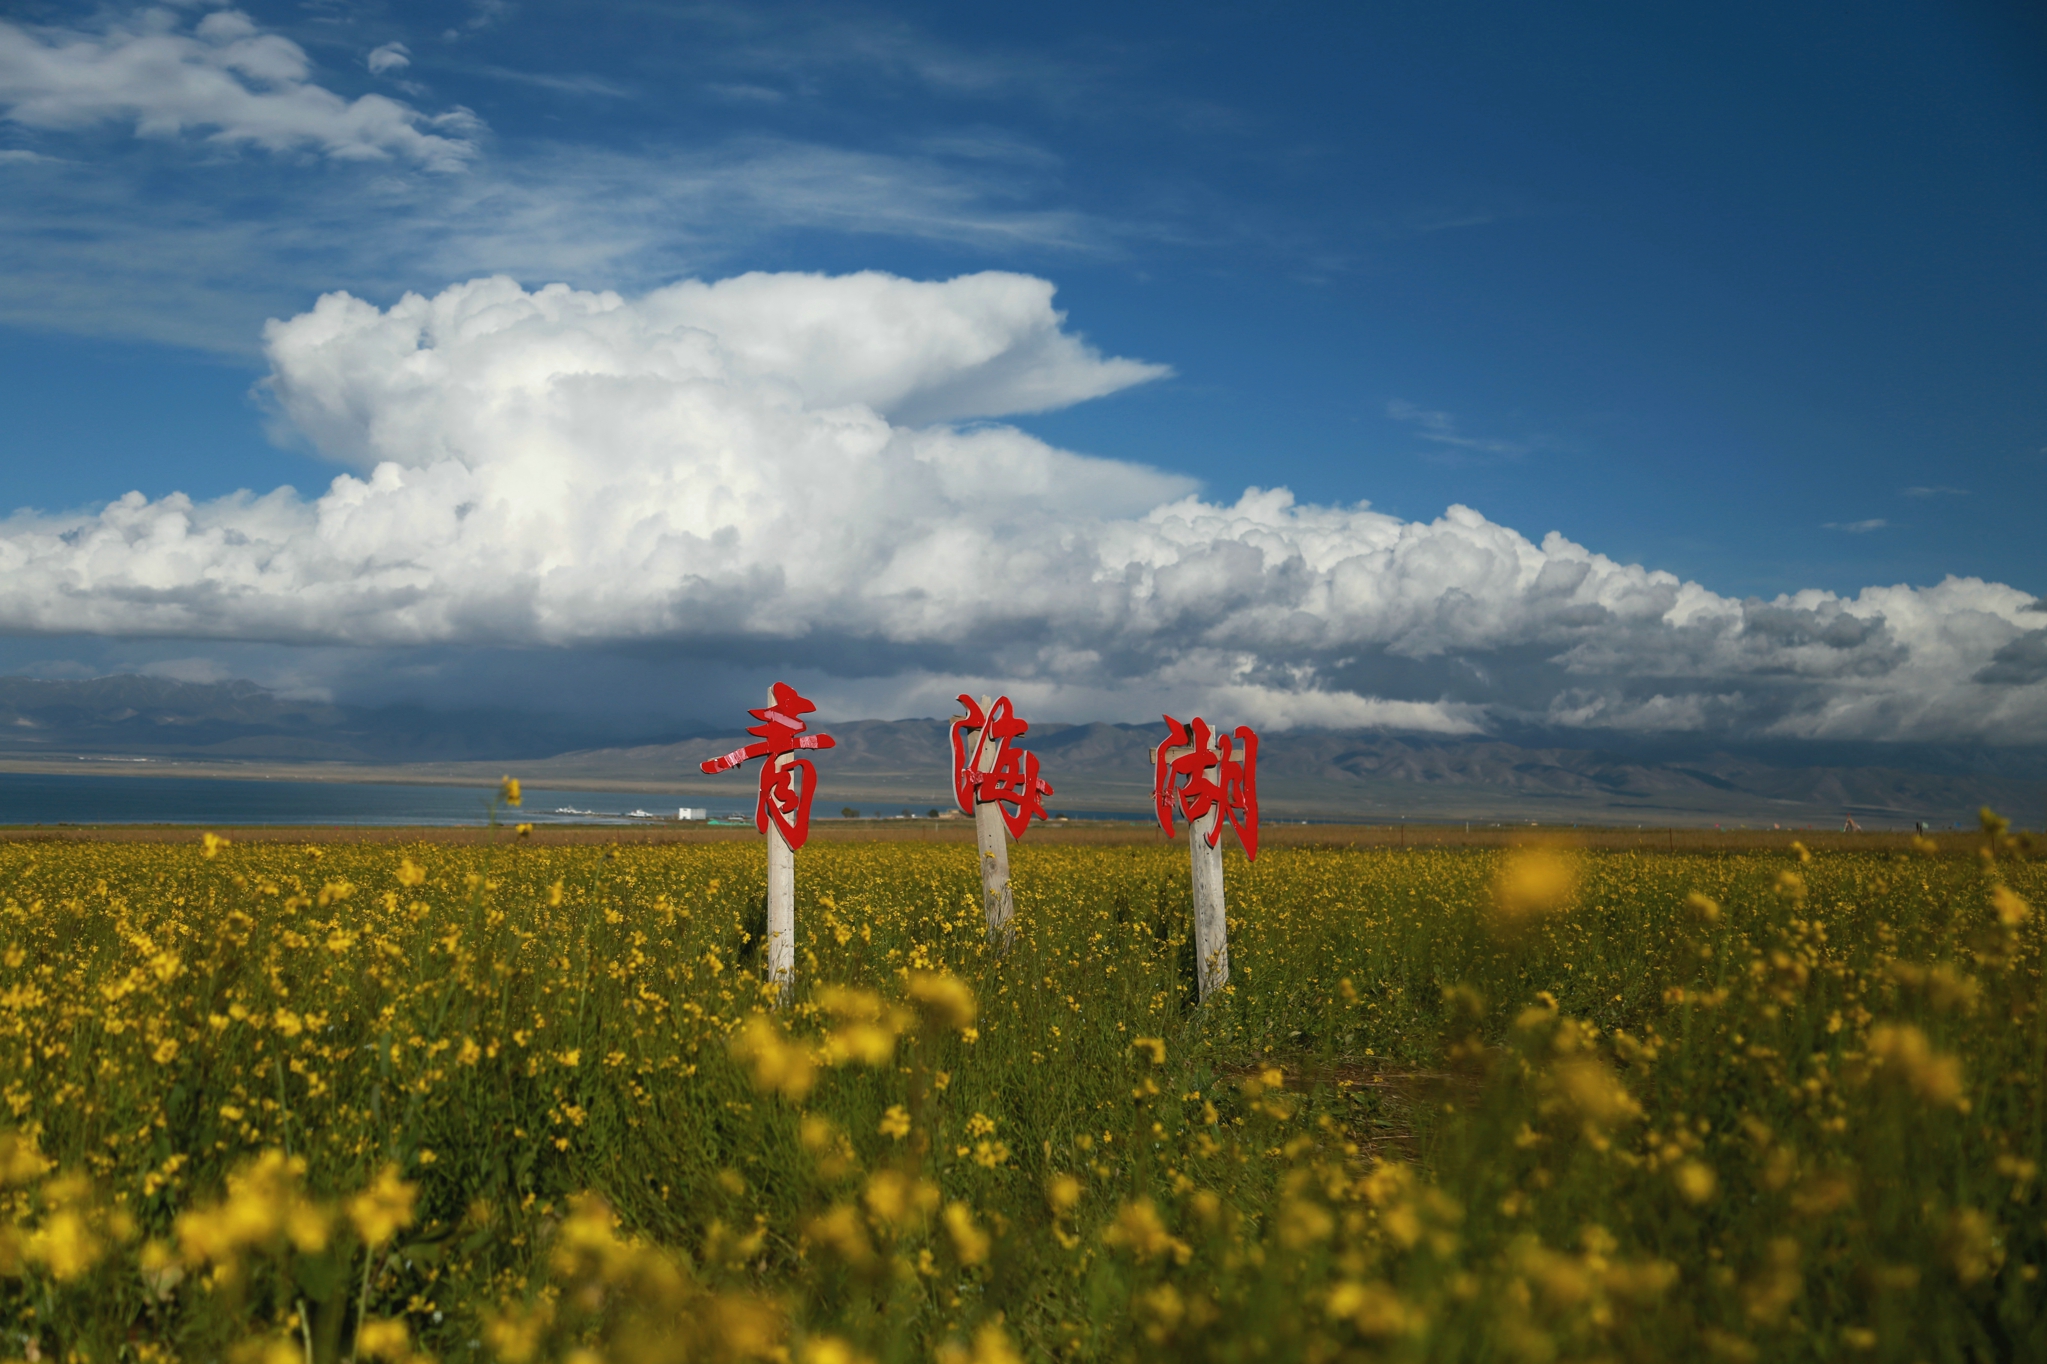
point(498, 1101)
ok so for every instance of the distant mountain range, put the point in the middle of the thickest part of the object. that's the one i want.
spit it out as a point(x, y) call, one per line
point(241, 721)
point(885, 764)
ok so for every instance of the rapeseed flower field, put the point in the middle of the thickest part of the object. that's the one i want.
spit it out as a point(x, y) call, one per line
point(269, 1102)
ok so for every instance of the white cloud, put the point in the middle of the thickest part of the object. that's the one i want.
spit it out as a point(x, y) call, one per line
point(764, 467)
point(91, 252)
point(581, 83)
point(223, 77)
point(188, 670)
point(390, 57)
point(1856, 527)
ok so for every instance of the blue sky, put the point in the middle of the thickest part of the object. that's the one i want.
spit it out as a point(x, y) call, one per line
point(1753, 295)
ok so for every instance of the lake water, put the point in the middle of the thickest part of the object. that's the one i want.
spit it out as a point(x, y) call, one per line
point(116, 798)
point(38, 798)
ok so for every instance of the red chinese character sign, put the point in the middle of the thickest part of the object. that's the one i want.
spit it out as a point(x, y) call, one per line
point(1208, 777)
point(1181, 780)
point(988, 770)
point(780, 733)
point(782, 812)
point(998, 784)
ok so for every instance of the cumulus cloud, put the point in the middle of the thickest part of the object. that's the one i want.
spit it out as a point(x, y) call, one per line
point(223, 78)
point(799, 470)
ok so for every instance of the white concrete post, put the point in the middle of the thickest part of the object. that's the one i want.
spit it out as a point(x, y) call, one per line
point(992, 838)
point(1211, 929)
point(995, 900)
point(781, 943)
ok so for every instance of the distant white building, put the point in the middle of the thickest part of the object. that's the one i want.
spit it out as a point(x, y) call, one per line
point(692, 812)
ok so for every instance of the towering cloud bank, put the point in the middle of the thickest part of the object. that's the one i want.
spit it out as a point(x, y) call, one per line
point(777, 466)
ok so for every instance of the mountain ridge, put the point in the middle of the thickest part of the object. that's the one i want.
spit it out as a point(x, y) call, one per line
point(1095, 765)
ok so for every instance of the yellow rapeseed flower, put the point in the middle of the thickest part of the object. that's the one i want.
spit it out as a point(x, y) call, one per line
point(2011, 911)
point(383, 1338)
point(991, 1346)
point(942, 998)
point(1375, 1310)
point(20, 1161)
point(968, 1240)
point(1139, 1230)
point(779, 1066)
point(1695, 1182)
point(1901, 1050)
point(383, 1209)
point(829, 1350)
point(265, 1205)
point(895, 1198)
point(1533, 882)
point(65, 1244)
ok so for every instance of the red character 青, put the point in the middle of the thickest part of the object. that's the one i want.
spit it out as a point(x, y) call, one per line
point(781, 733)
point(1181, 780)
point(990, 771)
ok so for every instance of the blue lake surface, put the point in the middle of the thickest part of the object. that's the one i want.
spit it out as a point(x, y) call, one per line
point(29, 798)
point(93, 798)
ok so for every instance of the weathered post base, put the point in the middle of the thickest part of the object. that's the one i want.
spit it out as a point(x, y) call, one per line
point(996, 903)
point(1211, 929)
point(780, 948)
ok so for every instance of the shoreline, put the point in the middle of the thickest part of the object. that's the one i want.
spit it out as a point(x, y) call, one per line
point(1358, 837)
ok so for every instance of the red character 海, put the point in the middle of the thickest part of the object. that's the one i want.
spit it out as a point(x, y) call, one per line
point(991, 771)
point(781, 733)
point(1181, 779)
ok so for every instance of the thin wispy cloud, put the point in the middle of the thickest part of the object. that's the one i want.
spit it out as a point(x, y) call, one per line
point(572, 83)
point(87, 249)
point(1440, 428)
point(200, 257)
point(1936, 491)
point(1874, 523)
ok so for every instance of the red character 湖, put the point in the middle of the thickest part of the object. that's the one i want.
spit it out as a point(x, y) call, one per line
point(781, 733)
point(991, 771)
point(1182, 780)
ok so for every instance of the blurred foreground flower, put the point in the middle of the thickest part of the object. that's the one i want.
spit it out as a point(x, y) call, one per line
point(943, 999)
point(1534, 882)
point(991, 1346)
point(779, 1065)
point(266, 1206)
point(384, 1209)
point(1904, 1053)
